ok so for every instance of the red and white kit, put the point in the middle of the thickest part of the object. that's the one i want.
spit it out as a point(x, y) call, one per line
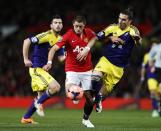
point(74, 44)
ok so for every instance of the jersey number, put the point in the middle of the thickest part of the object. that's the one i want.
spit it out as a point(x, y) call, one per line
point(78, 49)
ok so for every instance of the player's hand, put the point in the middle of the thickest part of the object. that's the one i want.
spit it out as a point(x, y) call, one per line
point(27, 63)
point(116, 39)
point(153, 69)
point(142, 79)
point(83, 54)
point(47, 67)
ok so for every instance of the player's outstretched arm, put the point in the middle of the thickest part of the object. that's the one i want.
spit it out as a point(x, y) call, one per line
point(143, 70)
point(26, 46)
point(51, 54)
point(83, 54)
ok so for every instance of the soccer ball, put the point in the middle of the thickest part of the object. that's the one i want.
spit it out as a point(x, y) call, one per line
point(74, 92)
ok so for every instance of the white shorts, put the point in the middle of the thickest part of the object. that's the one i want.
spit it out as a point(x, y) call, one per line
point(82, 79)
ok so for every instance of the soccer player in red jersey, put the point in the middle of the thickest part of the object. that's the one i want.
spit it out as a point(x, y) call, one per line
point(78, 65)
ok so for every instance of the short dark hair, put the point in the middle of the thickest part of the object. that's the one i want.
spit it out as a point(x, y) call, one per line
point(129, 12)
point(80, 18)
point(56, 16)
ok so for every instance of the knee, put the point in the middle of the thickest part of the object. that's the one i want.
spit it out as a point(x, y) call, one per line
point(96, 82)
point(89, 99)
point(57, 88)
point(96, 78)
point(54, 88)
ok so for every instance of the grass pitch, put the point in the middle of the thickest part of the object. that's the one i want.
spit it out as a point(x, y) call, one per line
point(70, 120)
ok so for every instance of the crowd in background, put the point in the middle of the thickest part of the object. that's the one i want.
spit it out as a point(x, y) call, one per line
point(14, 77)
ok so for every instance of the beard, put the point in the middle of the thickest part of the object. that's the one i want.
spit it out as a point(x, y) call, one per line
point(122, 26)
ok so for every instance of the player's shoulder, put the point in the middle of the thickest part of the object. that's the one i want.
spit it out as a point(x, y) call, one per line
point(156, 47)
point(133, 30)
point(44, 34)
point(146, 55)
point(111, 26)
point(69, 32)
point(146, 58)
point(49, 32)
point(89, 31)
point(114, 25)
point(132, 27)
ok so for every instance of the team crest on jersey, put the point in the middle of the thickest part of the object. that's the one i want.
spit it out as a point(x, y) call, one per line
point(86, 40)
point(126, 34)
point(60, 39)
point(34, 40)
point(100, 34)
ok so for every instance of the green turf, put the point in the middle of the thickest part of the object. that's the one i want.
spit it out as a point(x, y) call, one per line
point(70, 120)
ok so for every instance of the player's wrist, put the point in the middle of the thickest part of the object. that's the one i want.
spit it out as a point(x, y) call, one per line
point(87, 48)
point(49, 62)
point(25, 59)
point(142, 78)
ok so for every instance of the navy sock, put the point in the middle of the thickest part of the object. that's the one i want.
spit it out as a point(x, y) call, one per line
point(159, 106)
point(96, 86)
point(45, 96)
point(30, 111)
point(154, 104)
point(87, 110)
point(98, 97)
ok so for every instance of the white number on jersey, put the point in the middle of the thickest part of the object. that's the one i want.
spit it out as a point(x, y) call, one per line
point(78, 49)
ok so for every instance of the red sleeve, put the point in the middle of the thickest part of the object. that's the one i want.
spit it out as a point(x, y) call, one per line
point(64, 40)
point(91, 33)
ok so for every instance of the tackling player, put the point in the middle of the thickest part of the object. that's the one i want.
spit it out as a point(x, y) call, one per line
point(120, 39)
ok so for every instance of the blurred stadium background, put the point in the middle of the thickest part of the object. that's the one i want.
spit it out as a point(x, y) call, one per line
point(19, 19)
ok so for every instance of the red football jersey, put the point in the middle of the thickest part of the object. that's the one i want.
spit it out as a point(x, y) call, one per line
point(74, 44)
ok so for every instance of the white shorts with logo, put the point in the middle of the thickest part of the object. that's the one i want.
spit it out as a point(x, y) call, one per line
point(82, 79)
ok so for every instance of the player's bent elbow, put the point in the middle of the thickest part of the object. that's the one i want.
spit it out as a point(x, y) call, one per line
point(27, 41)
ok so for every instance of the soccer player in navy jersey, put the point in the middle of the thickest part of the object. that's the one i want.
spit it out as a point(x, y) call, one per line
point(146, 72)
point(78, 65)
point(41, 81)
point(116, 52)
point(120, 39)
point(155, 64)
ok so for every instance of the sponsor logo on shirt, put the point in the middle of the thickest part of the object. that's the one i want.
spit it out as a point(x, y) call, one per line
point(73, 41)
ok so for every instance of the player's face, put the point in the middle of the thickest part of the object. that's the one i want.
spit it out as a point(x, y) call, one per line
point(123, 21)
point(78, 27)
point(56, 25)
